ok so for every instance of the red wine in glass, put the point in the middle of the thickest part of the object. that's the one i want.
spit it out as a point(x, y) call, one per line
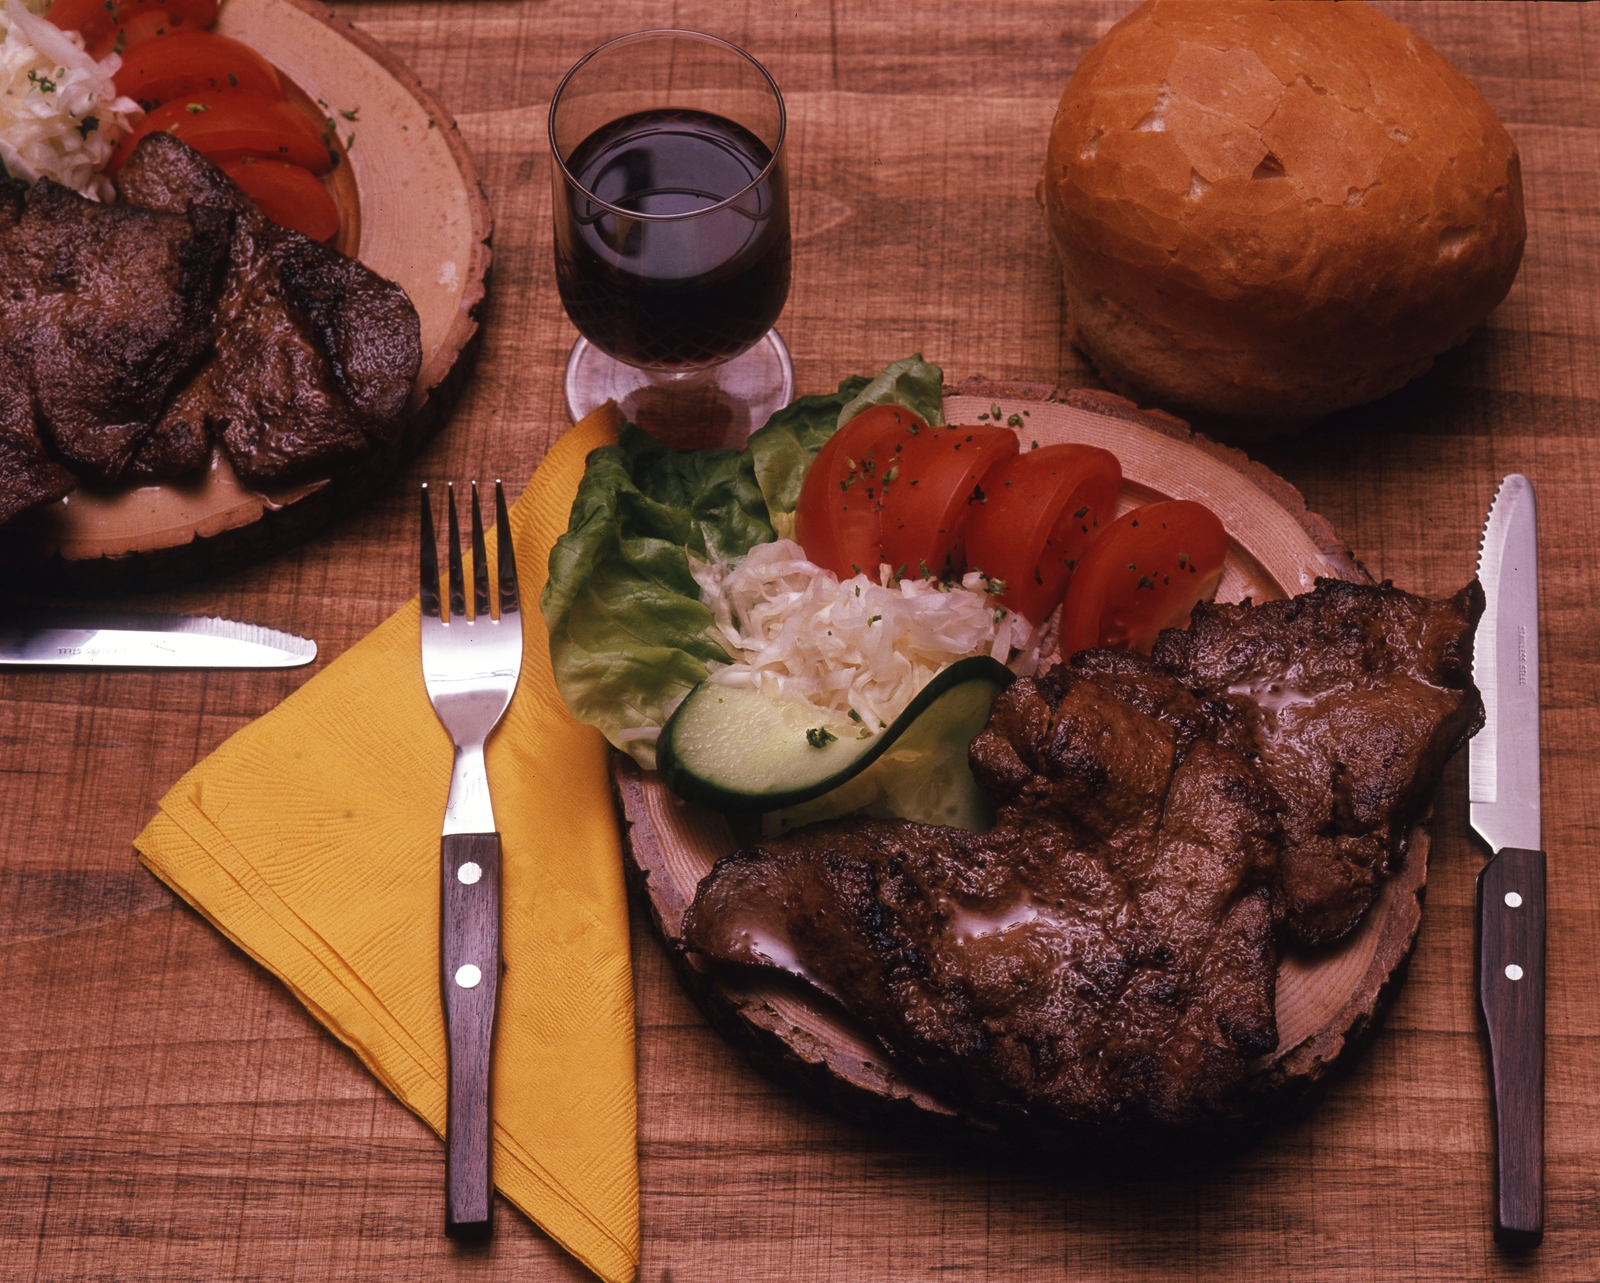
point(683, 289)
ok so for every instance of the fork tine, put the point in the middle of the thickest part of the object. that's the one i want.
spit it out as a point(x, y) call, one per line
point(509, 604)
point(430, 560)
point(458, 582)
point(480, 562)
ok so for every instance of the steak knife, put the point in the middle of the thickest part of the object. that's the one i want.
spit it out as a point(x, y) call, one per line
point(146, 641)
point(1503, 772)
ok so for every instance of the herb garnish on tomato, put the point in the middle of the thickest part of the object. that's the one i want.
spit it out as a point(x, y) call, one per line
point(1144, 573)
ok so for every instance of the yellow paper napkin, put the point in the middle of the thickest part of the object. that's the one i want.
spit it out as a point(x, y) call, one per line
point(311, 839)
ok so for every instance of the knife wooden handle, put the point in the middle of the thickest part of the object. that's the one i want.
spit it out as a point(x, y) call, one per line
point(1511, 998)
point(469, 975)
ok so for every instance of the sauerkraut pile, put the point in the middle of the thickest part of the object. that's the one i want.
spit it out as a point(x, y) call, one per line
point(60, 116)
point(857, 647)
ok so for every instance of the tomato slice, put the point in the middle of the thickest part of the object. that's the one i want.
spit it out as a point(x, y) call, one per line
point(92, 19)
point(193, 62)
point(113, 26)
point(289, 195)
point(937, 479)
point(1144, 573)
point(230, 126)
point(1043, 509)
point(837, 520)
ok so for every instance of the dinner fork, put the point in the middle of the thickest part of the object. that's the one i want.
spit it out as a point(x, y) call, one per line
point(470, 667)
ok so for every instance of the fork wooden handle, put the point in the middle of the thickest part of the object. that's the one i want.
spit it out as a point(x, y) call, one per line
point(469, 962)
point(1511, 998)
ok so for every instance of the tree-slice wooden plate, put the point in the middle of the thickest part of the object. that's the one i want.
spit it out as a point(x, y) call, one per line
point(1326, 1002)
point(410, 208)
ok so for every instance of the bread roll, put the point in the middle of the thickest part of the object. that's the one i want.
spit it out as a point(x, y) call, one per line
point(1269, 211)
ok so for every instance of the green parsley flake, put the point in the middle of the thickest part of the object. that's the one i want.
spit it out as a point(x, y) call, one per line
point(820, 737)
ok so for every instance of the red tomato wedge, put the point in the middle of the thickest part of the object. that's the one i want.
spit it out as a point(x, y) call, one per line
point(230, 126)
point(289, 195)
point(115, 26)
point(1144, 573)
point(936, 480)
point(837, 520)
point(91, 19)
point(1042, 509)
point(193, 62)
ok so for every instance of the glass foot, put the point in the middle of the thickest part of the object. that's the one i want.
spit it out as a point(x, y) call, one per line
point(718, 406)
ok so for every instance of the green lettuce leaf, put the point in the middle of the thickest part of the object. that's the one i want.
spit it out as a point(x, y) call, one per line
point(629, 635)
point(783, 450)
point(793, 436)
point(628, 632)
point(912, 383)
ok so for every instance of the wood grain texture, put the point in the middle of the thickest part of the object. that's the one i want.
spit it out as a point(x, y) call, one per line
point(469, 936)
point(168, 1111)
point(1511, 953)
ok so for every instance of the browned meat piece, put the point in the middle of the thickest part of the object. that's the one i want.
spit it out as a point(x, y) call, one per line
point(179, 445)
point(109, 309)
point(1105, 954)
point(1102, 957)
point(315, 355)
point(28, 476)
point(1358, 697)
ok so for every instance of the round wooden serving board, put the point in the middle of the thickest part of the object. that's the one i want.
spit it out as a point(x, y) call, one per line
point(1326, 1002)
point(411, 208)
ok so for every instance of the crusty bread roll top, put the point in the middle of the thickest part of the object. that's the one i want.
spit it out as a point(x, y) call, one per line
point(1275, 210)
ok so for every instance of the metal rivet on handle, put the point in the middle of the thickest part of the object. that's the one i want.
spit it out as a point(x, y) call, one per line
point(467, 976)
point(1513, 900)
point(469, 873)
point(1513, 972)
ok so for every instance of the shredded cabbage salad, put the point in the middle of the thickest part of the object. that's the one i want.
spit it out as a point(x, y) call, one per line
point(859, 648)
point(60, 116)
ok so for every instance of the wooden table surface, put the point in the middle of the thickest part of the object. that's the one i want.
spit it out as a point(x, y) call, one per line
point(168, 1111)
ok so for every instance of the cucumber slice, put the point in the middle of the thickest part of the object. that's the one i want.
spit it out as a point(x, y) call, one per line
point(740, 751)
point(923, 776)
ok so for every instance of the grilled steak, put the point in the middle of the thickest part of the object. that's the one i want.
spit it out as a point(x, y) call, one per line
point(315, 354)
point(106, 309)
point(28, 476)
point(1358, 696)
point(133, 335)
point(1105, 956)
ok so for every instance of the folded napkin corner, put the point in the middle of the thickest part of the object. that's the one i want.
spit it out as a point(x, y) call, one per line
point(311, 840)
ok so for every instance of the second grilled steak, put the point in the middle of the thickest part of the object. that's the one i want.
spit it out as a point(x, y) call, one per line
point(315, 354)
point(103, 311)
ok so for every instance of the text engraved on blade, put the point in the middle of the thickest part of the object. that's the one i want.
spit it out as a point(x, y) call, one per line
point(1522, 654)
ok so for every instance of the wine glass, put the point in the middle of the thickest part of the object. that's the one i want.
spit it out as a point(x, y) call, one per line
point(671, 211)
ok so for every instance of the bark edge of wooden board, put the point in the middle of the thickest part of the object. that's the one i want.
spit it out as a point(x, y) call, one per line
point(424, 223)
point(1329, 1005)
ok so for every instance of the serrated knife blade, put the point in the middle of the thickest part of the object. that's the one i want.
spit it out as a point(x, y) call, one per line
point(1503, 758)
point(77, 640)
point(1503, 799)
